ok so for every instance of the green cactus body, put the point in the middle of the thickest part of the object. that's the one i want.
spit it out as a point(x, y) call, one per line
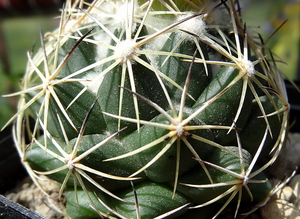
point(152, 109)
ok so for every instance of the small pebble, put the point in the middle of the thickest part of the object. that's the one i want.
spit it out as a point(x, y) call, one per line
point(286, 194)
point(279, 209)
point(295, 186)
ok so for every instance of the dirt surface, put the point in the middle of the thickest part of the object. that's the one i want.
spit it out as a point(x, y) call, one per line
point(31, 197)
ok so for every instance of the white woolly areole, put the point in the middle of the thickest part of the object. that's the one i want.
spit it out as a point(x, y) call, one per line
point(179, 130)
point(125, 50)
point(124, 12)
point(71, 25)
point(70, 165)
point(219, 16)
point(248, 67)
point(115, 13)
point(194, 25)
point(93, 81)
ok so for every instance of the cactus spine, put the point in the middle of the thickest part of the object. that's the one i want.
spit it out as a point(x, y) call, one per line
point(152, 109)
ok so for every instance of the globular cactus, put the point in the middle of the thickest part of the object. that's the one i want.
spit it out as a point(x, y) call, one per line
point(152, 109)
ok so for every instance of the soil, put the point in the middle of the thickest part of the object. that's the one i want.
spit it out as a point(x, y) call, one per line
point(31, 197)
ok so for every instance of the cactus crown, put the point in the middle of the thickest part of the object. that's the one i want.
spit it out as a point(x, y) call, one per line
point(149, 109)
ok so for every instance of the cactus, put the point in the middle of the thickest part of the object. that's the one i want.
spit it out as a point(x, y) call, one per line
point(152, 109)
